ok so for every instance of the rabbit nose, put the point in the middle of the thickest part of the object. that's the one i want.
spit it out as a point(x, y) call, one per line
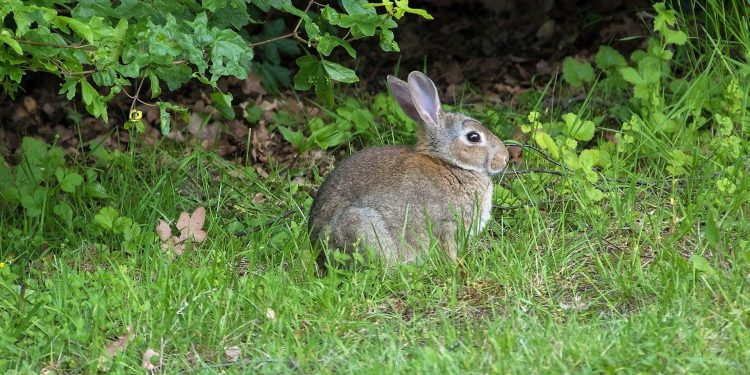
point(500, 161)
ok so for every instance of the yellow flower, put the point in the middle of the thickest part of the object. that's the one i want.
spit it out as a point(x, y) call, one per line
point(2, 265)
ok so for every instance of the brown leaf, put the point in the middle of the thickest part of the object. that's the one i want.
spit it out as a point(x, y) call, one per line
point(147, 361)
point(546, 31)
point(191, 226)
point(163, 230)
point(268, 108)
point(116, 346)
point(516, 153)
point(50, 369)
point(29, 103)
point(239, 129)
point(253, 85)
point(178, 249)
point(259, 198)
point(232, 353)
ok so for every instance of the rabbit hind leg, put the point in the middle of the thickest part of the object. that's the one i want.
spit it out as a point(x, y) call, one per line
point(363, 229)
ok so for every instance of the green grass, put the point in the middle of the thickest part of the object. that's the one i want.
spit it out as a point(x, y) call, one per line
point(654, 278)
point(564, 289)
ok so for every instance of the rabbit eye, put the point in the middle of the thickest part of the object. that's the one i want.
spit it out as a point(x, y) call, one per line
point(473, 137)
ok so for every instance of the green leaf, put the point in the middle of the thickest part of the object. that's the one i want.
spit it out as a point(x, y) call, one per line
point(213, 5)
point(106, 217)
point(95, 190)
point(223, 102)
point(547, 143)
point(328, 42)
point(79, 27)
point(712, 231)
point(154, 83)
point(174, 75)
point(674, 37)
point(88, 92)
point(68, 179)
point(266, 5)
point(576, 73)
point(230, 55)
point(12, 43)
point(121, 223)
point(339, 73)
point(324, 88)
point(594, 194)
point(295, 138)
point(33, 203)
point(164, 119)
point(307, 73)
point(578, 129)
point(64, 211)
point(608, 57)
point(700, 264)
point(631, 76)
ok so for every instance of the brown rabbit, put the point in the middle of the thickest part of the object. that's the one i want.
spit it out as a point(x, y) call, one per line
point(389, 198)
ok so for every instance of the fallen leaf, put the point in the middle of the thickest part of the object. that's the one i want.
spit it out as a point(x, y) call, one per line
point(239, 129)
point(546, 31)
point(50, 369)
point(163, 230)
point(253, 85)
point(232, 353)
point(148, 359)
point(268, 108)
point(191, 226)
point(29, 103)
point(259, 198)
point(116, 346)
point(270, 314)
point(119, 344)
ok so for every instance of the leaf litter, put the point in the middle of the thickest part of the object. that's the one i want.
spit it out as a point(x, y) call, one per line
point(189, 228)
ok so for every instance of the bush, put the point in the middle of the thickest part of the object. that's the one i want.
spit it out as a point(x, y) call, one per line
point(103, 48)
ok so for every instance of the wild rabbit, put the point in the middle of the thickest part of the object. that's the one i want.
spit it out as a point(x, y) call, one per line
point(391, 198)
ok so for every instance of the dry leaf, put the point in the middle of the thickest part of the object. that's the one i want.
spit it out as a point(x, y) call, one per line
point(259, 198)
point(116, 346)
point(29, 103)
point(191, 226)
point(119, 344)
point(253, 85)
point(147, 362)
point(49, 369)
point(163, 230)
point(232, 353)
point(178, 249)
point(268, 108)
point(270, 314)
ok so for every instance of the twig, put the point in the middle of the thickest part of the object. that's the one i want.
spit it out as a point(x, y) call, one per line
point(544, 155)
point(294, 34)
point(137, 91)
point(68, 46)
point(533, 170)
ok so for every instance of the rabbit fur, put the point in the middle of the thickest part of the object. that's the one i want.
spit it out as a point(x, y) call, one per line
point(393, 199)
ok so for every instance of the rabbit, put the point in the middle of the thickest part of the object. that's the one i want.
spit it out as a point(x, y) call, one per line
point(393, 199)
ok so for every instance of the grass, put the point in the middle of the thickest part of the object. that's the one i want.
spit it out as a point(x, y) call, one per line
point(653, 278)
point(563, 289)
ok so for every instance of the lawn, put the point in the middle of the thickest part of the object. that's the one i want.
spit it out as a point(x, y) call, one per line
point(625, 250)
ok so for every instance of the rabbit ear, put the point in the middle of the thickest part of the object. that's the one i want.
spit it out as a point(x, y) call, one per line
point(400, 91)
point(425, 98)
